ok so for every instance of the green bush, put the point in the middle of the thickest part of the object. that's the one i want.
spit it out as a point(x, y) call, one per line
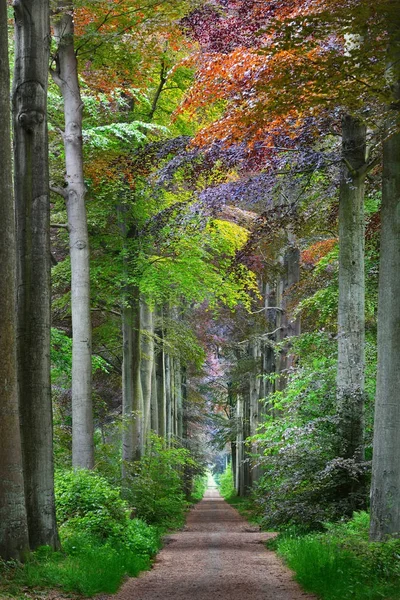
point(198, 488)
point(101, 543)
point(342, 563)
point(156, 488)
point(86, 501)
point(226, 485)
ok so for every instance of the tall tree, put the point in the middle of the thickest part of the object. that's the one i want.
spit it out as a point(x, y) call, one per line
point(65, 74)
point(351, 313)
point(32, 39)
point(13, 523)
point(385, 491)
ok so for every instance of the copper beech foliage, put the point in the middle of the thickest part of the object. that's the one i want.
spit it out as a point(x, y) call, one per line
point(269, 66)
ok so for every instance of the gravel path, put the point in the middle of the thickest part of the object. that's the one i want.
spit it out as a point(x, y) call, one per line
point(218, 556)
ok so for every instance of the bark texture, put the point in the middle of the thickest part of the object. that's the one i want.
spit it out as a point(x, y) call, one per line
point(13, 523)
point(147, 361)
point(132, 400)
point(66, 77)
point(32, 35)
point(385, 490)
point(351, 313)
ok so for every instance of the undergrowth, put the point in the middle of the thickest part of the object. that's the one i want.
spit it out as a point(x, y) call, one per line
point(103, 540)
point(341, 563)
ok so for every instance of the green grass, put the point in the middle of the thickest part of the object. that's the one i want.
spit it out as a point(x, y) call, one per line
point(88, 572)
point(341, 564)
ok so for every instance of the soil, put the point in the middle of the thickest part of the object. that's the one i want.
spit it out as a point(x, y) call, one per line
point(217, 556)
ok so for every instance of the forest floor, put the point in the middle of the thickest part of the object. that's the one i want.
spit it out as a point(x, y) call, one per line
point(217, 555)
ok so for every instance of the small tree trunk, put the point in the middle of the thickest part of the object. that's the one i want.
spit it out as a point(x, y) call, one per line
point(146, 364)
point(127, 388)
point(179, 400)
point(161, 394)
point(385, 490)
point(132, 407)
point(154, 399)
point(66, 77)
point(13, 523)
point(32, 35)
point(351, 319)
point(168, 399)
point(240, 475)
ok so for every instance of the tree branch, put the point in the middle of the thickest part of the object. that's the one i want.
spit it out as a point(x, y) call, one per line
point(58, 190)
point(59, 226)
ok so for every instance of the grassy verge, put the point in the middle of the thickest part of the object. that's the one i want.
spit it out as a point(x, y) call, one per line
point(101, 543)
point(342, 564)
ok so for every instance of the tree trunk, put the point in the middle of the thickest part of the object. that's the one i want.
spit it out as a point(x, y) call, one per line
point(154, 399)
point(13, 522)
point(32, 35)
point(66, 77)
point(132, 405)
point(127, 388)
point(168, 399)
point(240, 478)
point(146, 363)
point(161, 391)
point(385, 491)
point(351, 319)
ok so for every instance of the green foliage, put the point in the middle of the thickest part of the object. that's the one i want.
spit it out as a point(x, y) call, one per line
point(199, 487)
point(61, 358)
point(86, 500)
point(156, 488)
point(89, 569)
point(101, 543)
point(342, 563)
point(225, 485)
point(302, 476)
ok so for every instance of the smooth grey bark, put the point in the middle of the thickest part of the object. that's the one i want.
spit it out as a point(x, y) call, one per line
point(132, 402)
point(351, 311)
point(127, 388)
point(65, 76)
point(385, 489)
point(179, 400)
point(32, 37)
point(14, 541)
point(154, 399)
point(161, 388)
point(168, 399)
point(240, 471)
point(286, 327)
point(146, 363)
point(173, 395)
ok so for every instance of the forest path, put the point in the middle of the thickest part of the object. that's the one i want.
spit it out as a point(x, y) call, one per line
point(218, 556)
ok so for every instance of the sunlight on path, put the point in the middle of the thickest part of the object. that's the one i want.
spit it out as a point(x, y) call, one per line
point(218, 555)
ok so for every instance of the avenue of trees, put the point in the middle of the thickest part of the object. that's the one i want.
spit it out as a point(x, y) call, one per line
point(199, 250)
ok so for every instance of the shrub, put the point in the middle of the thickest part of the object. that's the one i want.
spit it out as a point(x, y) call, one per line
point(157, 483)
point(226, 485)
point(198, 488)
point(85, 500)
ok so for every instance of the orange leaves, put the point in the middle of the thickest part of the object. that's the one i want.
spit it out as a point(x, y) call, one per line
point(317, 251)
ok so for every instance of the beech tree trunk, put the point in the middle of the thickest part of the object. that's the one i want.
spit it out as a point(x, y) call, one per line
point(32, 36)
point(146, 363)
point(351, 313)
point(66, 77)
point(13, 522)
point(161, 390)
point(168, 398)
point(132, 399)
point(385, 490)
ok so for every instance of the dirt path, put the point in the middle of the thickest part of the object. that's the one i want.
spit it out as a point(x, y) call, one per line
point(218, 556)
